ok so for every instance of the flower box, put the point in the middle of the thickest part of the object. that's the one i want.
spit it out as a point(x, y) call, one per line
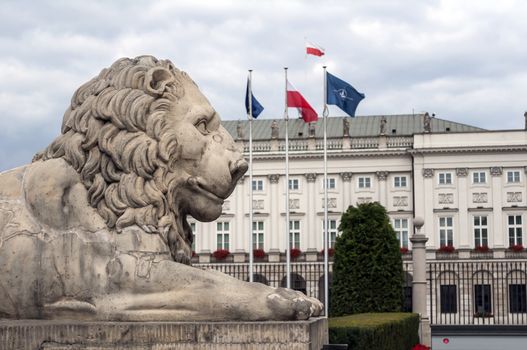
point(446, 249)
point(258, 253)
point(295, 253)
point(331, 252)
point(221, 254)
point(516, 248)
point(404, 250)
point(482, 249)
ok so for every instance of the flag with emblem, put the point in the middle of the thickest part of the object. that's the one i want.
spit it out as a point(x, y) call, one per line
point(342, 94)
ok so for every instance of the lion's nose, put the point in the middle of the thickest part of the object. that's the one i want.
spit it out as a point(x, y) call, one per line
point(238, 168)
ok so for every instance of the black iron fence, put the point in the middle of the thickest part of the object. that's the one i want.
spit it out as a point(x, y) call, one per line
point(307, 277)
point(459, 293)
point(478, 293)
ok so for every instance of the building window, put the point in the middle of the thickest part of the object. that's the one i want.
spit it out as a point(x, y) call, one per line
point(517, 298)
point(294, 184)
point(258, 235)
point(401, 230)
point(513, 176)
point(332, 233)
point(294, 234)
point(222, 235)
point(399, 181)
point(364, 182)
point(515, 230)
point(446, 231)
point(482, 300)
point(332, 183)
point(445, 178)
point(258, 185)
point(479, 177)
point(448, 295)
point(480, 231)
point(193, 228)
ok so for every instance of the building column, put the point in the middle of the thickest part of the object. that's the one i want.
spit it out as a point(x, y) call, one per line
point(274, 212)
point(419, 282)
point(462, 198)
point(238, 227)
point(497, 224)
point(346, 190)
point(383, 192)
point(312, 230)
point(424, 206)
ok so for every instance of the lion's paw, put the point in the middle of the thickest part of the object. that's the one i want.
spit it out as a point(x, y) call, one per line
point(290, 304)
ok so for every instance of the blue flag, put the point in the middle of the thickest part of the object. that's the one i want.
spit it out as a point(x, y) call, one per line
point(343, 95)
point(256, 106)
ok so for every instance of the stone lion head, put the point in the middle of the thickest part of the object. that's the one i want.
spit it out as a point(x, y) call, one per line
point(150, 150)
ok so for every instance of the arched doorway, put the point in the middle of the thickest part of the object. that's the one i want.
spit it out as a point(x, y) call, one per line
point(259, 279)
point(297, 282)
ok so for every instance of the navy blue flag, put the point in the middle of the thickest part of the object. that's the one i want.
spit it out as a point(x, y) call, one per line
point(343, 95)
point(256, 106)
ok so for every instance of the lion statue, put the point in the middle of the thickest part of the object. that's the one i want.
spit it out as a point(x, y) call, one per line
point(96, 227)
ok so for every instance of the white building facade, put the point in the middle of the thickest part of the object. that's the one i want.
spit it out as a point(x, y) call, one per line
point(467, 183)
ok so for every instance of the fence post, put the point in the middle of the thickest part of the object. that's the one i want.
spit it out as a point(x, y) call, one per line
point(419, 281)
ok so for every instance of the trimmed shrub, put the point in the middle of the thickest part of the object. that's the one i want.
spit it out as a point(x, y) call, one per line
point(367, 268)
point(379, 331)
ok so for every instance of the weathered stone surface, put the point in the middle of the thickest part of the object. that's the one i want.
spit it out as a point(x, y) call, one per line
point(62, 335)
point(96, 227)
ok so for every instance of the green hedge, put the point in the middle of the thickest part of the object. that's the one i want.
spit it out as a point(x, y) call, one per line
point(379, 331)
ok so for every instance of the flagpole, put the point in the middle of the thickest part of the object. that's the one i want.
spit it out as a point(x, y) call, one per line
point(251, 238)
point(326, 226)
point(288, 238)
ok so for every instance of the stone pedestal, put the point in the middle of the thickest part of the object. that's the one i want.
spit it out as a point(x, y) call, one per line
point(76, 335)
point(419, 286)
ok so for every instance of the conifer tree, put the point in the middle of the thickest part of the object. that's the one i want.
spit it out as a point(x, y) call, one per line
point(367, 270)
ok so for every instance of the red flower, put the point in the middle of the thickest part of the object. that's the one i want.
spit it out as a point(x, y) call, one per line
point(258, 253)
point(331, 252)
point(446, 249)
point(420, 347)
point(516, 247)
point(221, 254)
point(403, 250)
point(482, 248)
point(295, 253)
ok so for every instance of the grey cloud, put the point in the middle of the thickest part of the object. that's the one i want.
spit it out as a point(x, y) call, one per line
point(463, 60)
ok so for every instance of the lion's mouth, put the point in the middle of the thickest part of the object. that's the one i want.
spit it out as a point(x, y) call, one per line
point(199, 187)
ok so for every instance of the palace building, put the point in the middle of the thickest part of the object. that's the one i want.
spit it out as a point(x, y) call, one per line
point(467, 183)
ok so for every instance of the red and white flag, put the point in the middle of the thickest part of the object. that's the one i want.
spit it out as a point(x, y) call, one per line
point(312, 49)
point(295, 99)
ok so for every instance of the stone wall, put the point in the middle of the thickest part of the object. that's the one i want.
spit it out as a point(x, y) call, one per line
point(75, 335)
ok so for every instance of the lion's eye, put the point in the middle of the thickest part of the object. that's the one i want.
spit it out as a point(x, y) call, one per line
point(202, 126)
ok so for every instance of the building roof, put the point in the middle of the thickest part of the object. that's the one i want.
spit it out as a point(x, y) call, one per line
point(360, 126)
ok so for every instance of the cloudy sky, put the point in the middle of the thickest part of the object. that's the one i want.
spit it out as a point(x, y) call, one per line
point(465, 61)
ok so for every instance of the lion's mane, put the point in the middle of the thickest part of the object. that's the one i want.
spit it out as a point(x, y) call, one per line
point(114, 135)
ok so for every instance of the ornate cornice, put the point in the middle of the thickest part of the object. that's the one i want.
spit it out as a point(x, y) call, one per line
point(346, 176)
point(332, 155)
point(473, 149)
point(382, 175)
point(461, 172)
point(496, 170)
point(311, 177)
point(273, 178)
point(428, 172)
